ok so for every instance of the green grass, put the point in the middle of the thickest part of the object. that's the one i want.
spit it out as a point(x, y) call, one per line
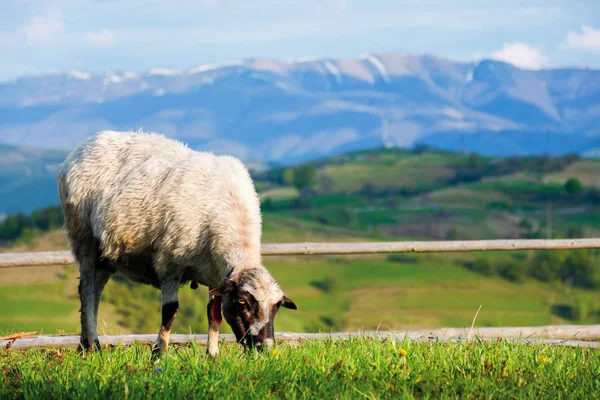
point(37, 307)
point(358, 368)
point(285, 192)
point(464, 196)
point(349, 178)
point(366, 292)
point(516, 187)
point(585, 170)
point(424, 293)
point(592, 217)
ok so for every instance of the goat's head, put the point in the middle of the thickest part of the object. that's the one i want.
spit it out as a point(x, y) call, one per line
point(251, 300)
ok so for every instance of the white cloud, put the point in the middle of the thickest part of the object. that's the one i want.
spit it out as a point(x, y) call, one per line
point(519, 54)
point(103, 38)
point(81, 75)
point(43, 29)
point(587, 40)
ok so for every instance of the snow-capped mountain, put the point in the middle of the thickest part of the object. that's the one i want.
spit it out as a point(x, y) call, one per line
point(290, 110)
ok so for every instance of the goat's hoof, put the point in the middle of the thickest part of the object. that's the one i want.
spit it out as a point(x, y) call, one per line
point(212, 354)
point(85, 347)
point(156, 353)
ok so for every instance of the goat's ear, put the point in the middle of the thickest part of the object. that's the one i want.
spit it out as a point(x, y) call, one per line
point(287, 303)
point(224, 287)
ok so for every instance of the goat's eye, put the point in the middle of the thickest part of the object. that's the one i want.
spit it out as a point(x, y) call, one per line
point(241, 301)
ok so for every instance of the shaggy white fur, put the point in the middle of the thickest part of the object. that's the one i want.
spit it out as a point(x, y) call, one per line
point(159, 212)
point(143, 192)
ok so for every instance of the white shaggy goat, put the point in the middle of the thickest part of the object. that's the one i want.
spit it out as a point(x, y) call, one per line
point(162, 214)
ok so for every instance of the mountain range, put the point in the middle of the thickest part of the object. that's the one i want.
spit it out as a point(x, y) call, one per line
point(284, 111)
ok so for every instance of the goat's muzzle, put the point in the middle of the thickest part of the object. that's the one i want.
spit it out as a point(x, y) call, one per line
point(256, 343)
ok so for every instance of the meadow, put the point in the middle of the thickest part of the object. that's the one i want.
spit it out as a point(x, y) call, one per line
point(381, 194)
point(374, 195)
point(353, 369)
point(333, 293)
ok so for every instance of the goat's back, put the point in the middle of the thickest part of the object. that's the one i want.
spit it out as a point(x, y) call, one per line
point(135, 192)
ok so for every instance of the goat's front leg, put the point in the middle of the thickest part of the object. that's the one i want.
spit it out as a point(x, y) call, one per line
point(213, 311)
point(170, 305)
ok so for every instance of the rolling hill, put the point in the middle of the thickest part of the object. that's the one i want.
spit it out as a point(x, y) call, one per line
point(28, 178)
point(428, 193)
point(382, 194)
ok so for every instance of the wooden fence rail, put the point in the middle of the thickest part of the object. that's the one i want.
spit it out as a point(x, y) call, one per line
point(10, 260)
point(563, 335)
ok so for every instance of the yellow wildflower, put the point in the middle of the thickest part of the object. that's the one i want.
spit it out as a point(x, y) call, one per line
point(275, 353)
point(402, 352)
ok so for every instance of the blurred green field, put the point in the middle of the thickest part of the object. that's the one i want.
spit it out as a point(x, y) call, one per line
point(382, 194)
point(587, 171)
point(352, 177)
point(333, 293)
point(37, 307)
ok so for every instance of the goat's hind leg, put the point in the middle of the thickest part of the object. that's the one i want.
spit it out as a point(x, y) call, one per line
point(102, 274)
point(86, 256)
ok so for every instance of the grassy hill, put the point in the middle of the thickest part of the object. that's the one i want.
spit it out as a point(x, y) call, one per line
point(28, 178)
point(384, 194)
point(428, 193)
point(334, 293)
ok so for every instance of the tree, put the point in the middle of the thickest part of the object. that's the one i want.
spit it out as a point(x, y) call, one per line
point(369, 190)
point(305, 177)
point(573, 186)
point(259, 186)
point(452, 234)
point(474, 161)
point(482, 266)
point(288, 176)
point(420, 148)
point(267, 205)
point(44, 219)
point(579, 269)
point(546, 265)
point(513, 271)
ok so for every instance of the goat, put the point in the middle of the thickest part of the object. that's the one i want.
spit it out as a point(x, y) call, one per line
point(164, 215)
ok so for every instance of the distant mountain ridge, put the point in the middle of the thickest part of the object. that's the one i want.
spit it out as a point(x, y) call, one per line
point(288, 111)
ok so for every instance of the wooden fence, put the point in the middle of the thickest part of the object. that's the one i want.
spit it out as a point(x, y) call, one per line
point(560, 335)
point(11, 260)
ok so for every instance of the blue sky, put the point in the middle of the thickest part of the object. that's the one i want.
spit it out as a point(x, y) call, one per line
point(42, 36)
